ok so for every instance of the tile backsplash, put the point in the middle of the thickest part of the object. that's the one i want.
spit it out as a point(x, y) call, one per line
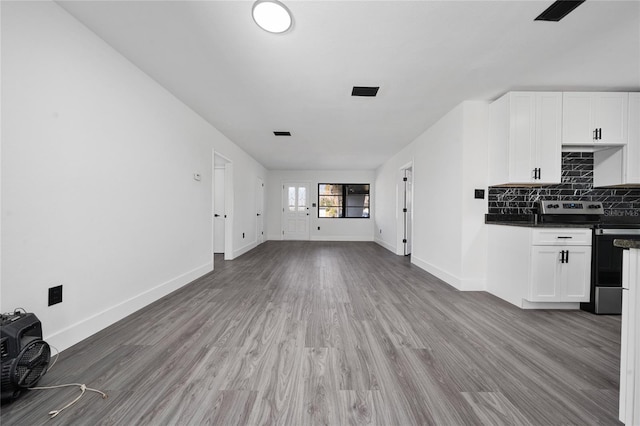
point(577, 183)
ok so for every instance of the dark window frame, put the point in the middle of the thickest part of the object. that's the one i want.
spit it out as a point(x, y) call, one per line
point(343, 197)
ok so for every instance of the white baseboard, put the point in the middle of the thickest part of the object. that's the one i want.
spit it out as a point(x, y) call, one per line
point(385, 244)
point(274, 237)
point(467, 284)
point(550, 305)
point(79, 331)
point(462, 284)
point(452, 280)
point(340, 238)
point(244, 249)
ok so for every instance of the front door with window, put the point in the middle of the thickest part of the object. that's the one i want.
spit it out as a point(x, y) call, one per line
point(295, 211)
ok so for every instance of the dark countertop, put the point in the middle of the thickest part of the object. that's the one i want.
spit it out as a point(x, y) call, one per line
point(626, 243)
point(540, 225)
point(527, 221)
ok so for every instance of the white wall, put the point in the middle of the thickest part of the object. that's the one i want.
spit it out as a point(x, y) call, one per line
point(97, 181)
point(330, 229)
point(449, 161)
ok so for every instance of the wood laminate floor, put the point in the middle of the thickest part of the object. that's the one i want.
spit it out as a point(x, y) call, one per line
point(300, 333)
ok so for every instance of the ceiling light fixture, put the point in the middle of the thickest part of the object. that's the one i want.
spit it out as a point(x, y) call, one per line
point(271, 16)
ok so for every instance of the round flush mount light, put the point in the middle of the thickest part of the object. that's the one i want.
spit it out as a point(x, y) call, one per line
point(272, 16)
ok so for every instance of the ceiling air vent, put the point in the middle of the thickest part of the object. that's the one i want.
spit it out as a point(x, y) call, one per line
point(364, 91)
point(559, 10)
point(282, 133)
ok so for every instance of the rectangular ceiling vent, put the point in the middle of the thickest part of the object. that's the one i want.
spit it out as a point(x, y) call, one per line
point(282, 133)
point(559, 10)
point(364, 91)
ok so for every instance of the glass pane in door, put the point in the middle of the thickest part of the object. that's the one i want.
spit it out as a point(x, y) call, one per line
point(292, 198)
point(302, 198)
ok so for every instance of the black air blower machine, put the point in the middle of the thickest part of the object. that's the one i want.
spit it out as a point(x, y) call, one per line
point(25, 356)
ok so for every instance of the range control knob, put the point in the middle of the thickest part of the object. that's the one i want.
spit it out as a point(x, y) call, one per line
point(593, 206)
point(551, 206)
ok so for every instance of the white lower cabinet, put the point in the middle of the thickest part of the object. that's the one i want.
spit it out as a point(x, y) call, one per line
point(560, 274)
point(539, 267)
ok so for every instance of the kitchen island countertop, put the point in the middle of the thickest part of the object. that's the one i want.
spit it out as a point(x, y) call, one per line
point(622, 243)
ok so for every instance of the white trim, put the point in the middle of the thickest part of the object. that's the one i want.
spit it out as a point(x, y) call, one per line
point(549, 305)
point(462, 284)
point(245, 249)
point(385, 244)
point(472, 284)
point(82, 329)
point(399, 249)
point(229, 207)
point(452, 280)
point(340, 238)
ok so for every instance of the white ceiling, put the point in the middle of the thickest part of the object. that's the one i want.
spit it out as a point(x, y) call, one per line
point(426, 56)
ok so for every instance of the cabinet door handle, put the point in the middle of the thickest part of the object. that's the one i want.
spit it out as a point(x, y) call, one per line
point(564, 238)
point(562, 256)
point(595, 134)
point(536, 173)
point(539, 173)
point(600, 133)
point(566, 257)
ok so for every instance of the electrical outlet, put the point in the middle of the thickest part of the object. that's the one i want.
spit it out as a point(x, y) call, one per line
point(478, 194)
point(55, 295)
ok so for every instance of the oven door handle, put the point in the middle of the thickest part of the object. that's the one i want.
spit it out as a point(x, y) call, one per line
point(617, 231)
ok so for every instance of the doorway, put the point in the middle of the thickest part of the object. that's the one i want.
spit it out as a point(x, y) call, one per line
point(222, 206)
point(295, 211)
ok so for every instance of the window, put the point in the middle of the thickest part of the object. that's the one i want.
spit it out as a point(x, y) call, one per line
point(348, 200)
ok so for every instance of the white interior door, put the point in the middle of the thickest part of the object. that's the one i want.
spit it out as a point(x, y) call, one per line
point(219, 210)
point(295, 211)
point(407, 210)
point(260, 210)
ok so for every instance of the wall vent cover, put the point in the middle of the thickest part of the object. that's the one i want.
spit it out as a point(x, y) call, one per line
point(559, 10)
point(364, 91)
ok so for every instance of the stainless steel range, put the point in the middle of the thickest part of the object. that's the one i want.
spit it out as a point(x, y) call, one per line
point(606, 267)
point(570, 212)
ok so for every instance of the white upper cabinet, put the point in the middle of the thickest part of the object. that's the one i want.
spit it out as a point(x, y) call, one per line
point(620, 164)
point(525, 138)
point(595, 118)
point(632, 150)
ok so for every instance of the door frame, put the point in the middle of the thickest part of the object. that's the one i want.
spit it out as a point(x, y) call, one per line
point(259, 210)
point(400, 225)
